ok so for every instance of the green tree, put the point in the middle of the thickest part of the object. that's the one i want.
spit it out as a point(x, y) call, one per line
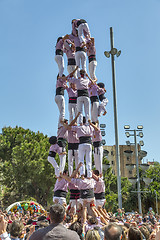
point(25, 171)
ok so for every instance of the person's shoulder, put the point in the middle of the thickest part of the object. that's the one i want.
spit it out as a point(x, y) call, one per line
point(72, 235)
point(40, 233)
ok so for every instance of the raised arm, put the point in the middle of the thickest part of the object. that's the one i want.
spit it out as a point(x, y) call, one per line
point(74, 120)
point(93, 81)
point(93, 125)
point(95, 177)
point(75, 172)
point(67, 178)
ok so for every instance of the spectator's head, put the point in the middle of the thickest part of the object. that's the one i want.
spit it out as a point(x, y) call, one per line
point(134, 233)
point(92, 220)
point(57, 213)
point(77, 227)
point(93, 235)
point(112, 232)
point(16, 228)
point(145, 231)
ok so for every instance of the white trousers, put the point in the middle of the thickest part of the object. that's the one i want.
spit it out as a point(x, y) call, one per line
point(60, 200)
point(83, 101)
point(102, 106)
point(94, 111)
point(85, 150)
point(70, 68)
point(100, 202)
point(60, 62)
point(72, 108)
point(54, 164)
point(71, 158)
point(81, 28)
point(80, 58)
point(92, 68)
point(74, 204)
point(62, 158)
point(98, 158)
point(60, 101)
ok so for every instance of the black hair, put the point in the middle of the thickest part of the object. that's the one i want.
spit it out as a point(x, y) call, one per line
point(58, 76)
point(41, 218)
point(84, 120)
point(65, 171)
point(101, 85)
point(96, 172)
point(53, 140)
point(85, 175)
point(65, 120)
point(58, 39)
point(82, 72)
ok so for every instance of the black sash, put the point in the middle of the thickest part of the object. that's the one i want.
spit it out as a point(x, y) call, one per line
point(85, 140)
point(59, 52)
point(75, 194)
point(71, 61)
point(94, 99)
point(73, 146)
point(92, 58)
point(80, 49)
point(99, 195)
point(52, 154)
point(80, 22)
point(73, 100)
point(60, 91)
point(60, 193)
point(97, 144)
point(62, 142)
point(87, 193)
point(101, 97)
point(83, 92)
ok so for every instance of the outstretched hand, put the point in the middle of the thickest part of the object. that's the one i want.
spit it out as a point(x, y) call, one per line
point(3, 224)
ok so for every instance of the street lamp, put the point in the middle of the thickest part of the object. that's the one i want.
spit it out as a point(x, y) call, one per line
point(112, 53)
point(129, 133)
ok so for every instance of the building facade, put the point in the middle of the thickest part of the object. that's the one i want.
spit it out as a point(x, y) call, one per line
point(127, 157)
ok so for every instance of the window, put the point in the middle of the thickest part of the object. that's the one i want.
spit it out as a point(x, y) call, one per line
point(128, 158)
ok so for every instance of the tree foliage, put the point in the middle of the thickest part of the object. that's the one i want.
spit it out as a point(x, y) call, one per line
point(25, 171)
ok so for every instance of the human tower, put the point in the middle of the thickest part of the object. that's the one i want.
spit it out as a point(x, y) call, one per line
point(83, 92)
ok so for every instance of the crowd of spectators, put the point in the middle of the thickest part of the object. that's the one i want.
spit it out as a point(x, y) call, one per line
point(89, 223)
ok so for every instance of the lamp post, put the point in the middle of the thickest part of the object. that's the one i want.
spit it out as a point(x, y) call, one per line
point(113, 52)
point(140, 134)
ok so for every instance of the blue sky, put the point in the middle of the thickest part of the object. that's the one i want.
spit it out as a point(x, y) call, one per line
point(29, 30)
